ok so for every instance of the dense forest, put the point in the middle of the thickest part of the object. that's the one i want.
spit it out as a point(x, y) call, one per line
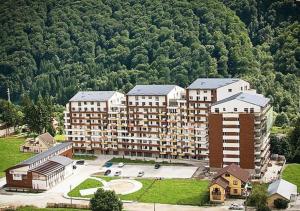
point(55, 48)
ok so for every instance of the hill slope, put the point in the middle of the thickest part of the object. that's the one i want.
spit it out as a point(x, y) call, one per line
point(58, 47)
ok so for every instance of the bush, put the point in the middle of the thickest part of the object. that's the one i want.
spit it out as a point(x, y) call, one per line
point(258, 196)
point(105, 201)
point(281, 203)
point(263, 208)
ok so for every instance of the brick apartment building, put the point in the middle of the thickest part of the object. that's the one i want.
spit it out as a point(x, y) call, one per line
point(167, 121)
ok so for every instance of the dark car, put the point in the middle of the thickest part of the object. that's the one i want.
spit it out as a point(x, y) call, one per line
point(107, 172)
point(80, 162)
point(108, 164)
point(74, 167)
point(157, 166)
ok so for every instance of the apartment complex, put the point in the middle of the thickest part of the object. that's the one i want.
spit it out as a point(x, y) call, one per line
point(167, 121)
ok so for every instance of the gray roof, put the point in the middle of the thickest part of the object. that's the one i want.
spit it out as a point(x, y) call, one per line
point(151, 90)
point(46, 153)
point(283, 188)
point(47, 139)
point(93, 96)
point(211, 83)
point(61, 160)
point(255, 99)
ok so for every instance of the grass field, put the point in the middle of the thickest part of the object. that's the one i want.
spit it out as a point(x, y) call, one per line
point(167, 191)
point(171, 191)
point(30, 208)
point(88, 183)
point(291, 173)
point(59, 138)
point(10, 154)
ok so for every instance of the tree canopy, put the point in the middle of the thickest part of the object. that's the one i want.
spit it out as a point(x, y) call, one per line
point(56, 48)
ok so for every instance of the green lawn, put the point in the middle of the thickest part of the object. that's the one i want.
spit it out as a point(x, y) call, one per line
point(167, 191)
point(171, 191)
point(30, 208)
point(84, 157)
point(59, 138)
point(10, 154)
point(88, 183)
point(291, 173)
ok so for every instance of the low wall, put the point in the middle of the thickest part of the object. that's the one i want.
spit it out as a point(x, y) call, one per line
point(67, 205)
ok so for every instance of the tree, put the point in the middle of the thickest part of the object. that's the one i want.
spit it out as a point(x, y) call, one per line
point(281, 203)
point(105, 201)
point(282, 120)
point(263, 208)
point(258, 197)
point(280, 145)
point(10, 114)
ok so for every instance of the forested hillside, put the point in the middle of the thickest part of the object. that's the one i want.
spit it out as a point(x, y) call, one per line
point(59, 47)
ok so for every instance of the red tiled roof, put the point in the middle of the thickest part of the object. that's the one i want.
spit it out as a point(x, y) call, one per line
point(235, 171)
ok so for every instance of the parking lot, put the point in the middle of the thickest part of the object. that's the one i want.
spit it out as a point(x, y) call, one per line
point(149, 171)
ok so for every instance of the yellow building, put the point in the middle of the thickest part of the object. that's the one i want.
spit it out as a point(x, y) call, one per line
point(229, 181)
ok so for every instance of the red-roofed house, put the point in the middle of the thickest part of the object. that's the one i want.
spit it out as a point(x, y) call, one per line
point(229, 181)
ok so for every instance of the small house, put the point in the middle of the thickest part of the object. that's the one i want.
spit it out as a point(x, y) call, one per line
point(39, 144)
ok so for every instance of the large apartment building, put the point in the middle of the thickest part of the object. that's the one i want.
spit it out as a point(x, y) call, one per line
point(167, 121)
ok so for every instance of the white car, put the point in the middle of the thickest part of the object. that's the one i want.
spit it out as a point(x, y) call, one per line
point(140, 174)
point(235, 206)
point(118, 173)
point(120, 165)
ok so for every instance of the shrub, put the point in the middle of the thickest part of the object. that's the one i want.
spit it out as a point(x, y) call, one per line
point(281, 203)
point(105, 201)
point(263, 208)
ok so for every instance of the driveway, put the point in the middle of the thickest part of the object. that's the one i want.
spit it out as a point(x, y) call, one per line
point(149, 171)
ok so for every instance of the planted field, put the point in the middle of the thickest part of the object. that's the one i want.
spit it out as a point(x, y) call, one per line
point(291, 173)
point(10, 154)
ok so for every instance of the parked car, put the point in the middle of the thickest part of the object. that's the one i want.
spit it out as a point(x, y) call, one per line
point(107, 172)
point(108, 164)
point(157, 166)
point(120, 165)
point(140, 174)
point(74, 167)
point(235, 206)
point(117, 173)
point(80, 162)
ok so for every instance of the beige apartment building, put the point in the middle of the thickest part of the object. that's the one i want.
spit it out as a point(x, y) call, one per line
point(167, 121)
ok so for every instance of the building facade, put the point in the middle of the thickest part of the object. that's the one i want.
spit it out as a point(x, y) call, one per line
point(158, 121)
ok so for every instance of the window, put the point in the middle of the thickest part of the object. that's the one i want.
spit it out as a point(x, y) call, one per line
point(217, 110)
point(198, 92)
point(150, 97)
point(205, 91)
point(79, 103)
point(227, 175)
point(224, 109)
point(235, 109)
point(251, 110)
point(235, 182)
point(235, 191)
point(205, 98)
point(143, 97)
point(229, 90)
point(246, 110)
point(241, 88)
point(156, 98)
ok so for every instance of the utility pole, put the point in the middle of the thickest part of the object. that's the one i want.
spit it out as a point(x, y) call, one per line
point(8, 95)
